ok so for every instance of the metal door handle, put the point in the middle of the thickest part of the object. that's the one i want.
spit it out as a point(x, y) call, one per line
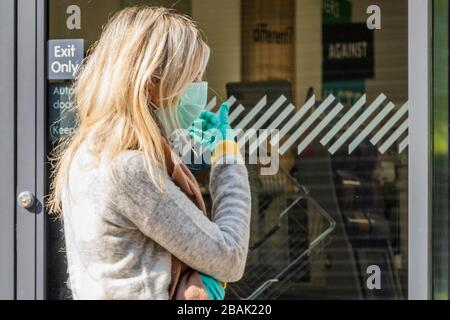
point(26, 199)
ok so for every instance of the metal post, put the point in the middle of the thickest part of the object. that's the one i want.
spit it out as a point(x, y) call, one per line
point(419, 237)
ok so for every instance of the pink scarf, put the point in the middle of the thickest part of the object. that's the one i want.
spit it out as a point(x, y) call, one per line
point(186, 283)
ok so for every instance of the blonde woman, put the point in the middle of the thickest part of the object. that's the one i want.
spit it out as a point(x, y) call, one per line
point(125, 219)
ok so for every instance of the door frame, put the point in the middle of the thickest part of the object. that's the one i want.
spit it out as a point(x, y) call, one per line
point(419, 168)
point(30, 147)
point(24, 122)
point(7, 147)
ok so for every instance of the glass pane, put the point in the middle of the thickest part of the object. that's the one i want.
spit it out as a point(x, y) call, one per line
point(329, 188)
point(440, 223)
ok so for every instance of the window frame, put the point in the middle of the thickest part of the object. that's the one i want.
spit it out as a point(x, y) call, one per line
point(30, 154)
point(419, 168)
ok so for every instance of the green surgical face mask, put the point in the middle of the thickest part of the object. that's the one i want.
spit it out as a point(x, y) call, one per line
point(192, 103)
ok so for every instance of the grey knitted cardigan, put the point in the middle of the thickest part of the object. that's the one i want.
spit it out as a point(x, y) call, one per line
point(120, 231)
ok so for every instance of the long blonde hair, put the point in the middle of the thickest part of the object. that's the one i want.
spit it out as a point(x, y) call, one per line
point(143, 61)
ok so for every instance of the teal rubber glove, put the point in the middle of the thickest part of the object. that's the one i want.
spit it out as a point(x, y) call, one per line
point(211, 128)
point(213, 287)
point(200, 131)
point(224, 126)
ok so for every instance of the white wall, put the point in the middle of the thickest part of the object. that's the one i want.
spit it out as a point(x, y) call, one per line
point(308, 48)
point(221, 22)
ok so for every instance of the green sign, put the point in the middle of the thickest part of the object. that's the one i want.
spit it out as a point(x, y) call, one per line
point(346, 92)
point(336, 11)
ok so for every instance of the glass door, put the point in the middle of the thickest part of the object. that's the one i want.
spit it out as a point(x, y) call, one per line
point(330, 195)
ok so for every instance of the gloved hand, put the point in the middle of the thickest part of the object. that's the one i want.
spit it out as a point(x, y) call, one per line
point(200, 131)
point(211, 128)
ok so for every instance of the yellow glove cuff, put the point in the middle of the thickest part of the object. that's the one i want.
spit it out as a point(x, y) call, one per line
point(224, 148)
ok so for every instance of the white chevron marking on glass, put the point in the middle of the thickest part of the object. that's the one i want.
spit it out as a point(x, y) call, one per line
point(273, 125)
point(294, 120)
point(211, 104)
point(236, 113)
point(403, 144)
point(338, 126)
point(283, 115)
point(274, 107)
point(261, 138)
point(388, 126)
point(317, 130)
point(397, 133)
point(305, 125)
point(357, 141)
point(251, 115)
point(358, 122)
point(230, 101)
point(300, 113)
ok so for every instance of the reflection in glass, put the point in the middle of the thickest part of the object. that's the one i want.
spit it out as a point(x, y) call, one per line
point(330, 223)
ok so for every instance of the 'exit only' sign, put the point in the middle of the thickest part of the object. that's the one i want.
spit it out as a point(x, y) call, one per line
point(64, 58)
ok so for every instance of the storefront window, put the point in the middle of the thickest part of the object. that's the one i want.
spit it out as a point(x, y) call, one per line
point(331, 219)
